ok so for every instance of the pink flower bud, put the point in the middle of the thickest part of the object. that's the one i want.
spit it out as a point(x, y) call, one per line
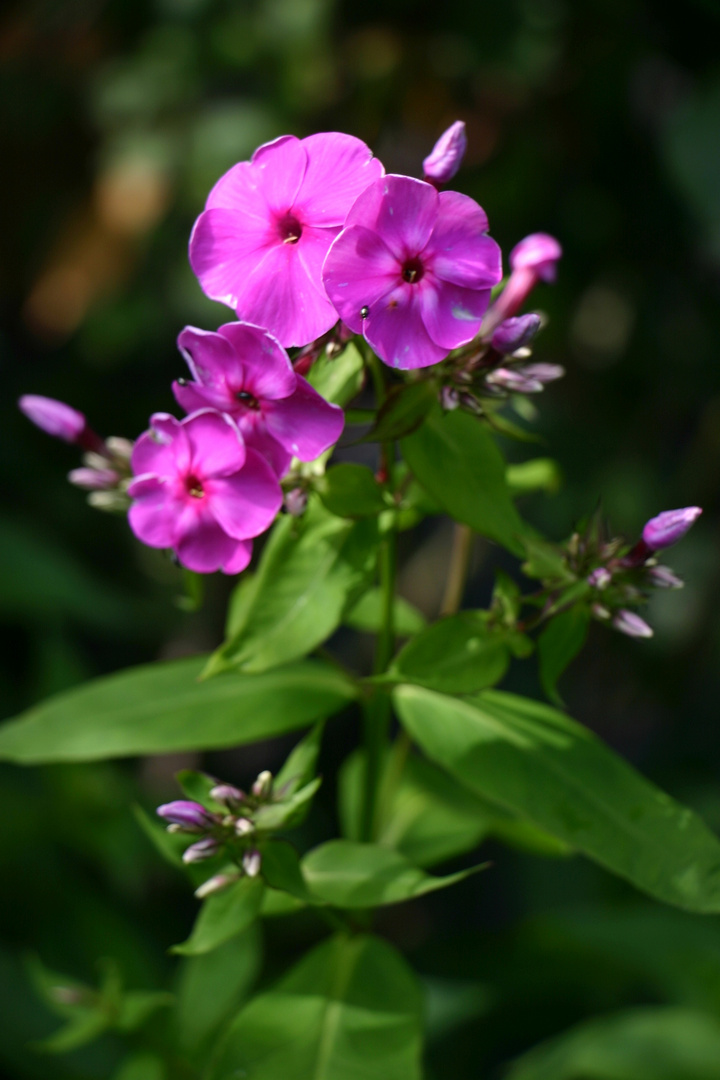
point(201, 849)
point(190, 816)
point(251, 863)
point(630, 623)
point(215, 885)
point(669, 527)
point(538, 252)
point(515, 333)
point(662, 577)
point(53, 417)
point(515, 381)
point(447, 154)
point(600, 578)
point(94, 479)
point(228, 794)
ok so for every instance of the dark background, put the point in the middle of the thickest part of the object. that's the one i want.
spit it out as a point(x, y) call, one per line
point(597, 122)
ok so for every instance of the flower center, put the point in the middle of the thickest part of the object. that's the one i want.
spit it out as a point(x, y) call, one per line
point(290, 229)
point(194, 487)
point(247, 399)
point(412, 271)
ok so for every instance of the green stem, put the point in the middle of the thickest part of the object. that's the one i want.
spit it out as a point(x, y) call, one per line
point(377, 709)
point(457, 572)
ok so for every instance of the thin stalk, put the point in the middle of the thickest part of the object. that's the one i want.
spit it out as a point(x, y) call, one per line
point(457, 572)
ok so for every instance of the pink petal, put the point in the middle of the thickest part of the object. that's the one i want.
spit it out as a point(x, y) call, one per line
point(281, 296)
point(192, 397)
point(226, 247)
point(245, 504)
point(209, 356)
point(153, 518)
point(217, 447)
point(202, 544)
point(239, 559)
point(339, 169)
point(459, 249)
point(261, 366)
point(256, 435)
point(401, 209)
point(396, 331)
point(305, 423)
point(312, 248)
point(451, 314)
point(239, 190)
point(280, 167)
point(163, 449)
point(358, 271)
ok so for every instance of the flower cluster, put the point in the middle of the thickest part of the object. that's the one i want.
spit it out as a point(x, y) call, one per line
point(308, 235)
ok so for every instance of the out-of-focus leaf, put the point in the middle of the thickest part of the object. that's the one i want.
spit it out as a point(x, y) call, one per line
point(277, 903)
point(558, 645)
point(449, 1003)
point(455, 457)
point(367, 615)
point(339, 379)
point(281, 870)
point(402, 412)
point(137, 1006)
point(353, 875)
point(540, 474)
point(458, 654)
point(141, 1066)
point(545, 560)
point(288, 813)
point(211, 988)
point(300, 764)
point(223, 916)
point(157, 708)
point(539, 764)
point(351, 491)
point(350, 1010)
point(314, 569)
point(640, 1044)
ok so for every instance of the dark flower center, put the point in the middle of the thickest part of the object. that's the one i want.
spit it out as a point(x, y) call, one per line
point(412, 271)
point(194, 487)
point(290, 229)
point(246, 398)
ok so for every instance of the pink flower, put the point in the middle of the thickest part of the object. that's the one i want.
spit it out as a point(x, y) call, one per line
point(447, 154)
point(412, 270)
point(242, 370)
point(200, 491)
point(268, 223)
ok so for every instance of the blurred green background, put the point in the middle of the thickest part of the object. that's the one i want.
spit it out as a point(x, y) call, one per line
point(597, 122)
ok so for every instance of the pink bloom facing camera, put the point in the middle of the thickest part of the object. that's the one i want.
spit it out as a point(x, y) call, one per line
point(200, 491)
point(413, 270)
point(267, 226)
point(244, 371)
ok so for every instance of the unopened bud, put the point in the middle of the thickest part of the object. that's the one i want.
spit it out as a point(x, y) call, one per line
point(449, 398)
point(514, 381)
point(447, 154)
point(227, 794)
point(538, 252)
point(252, 861)
point(296, 501)
point(669, 527)
point(515, 333)
point(114, 502)
point(119, 447)
point(630, 623)
point(243, 826)
point(201, 849)
point(190, 816)
point(600, 578)
point(53, 417)
point(94, 479)
point(544, 373)
point(214, 885)
point(662, 577)
point(470, 404)
point(263, 785)
point(599, 611)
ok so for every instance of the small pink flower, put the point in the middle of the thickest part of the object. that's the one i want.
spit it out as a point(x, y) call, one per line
point(534, 259)
point(200, 491)
point(413, 270)
point(447, 154)
point(244, 371)
point(268, 223)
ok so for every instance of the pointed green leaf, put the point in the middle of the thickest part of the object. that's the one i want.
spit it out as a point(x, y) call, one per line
point(158, 708)
point(537, 763)
point(288, 813)
point(300, 764)
point(367, 615)
point(403, 411)
point(558, 645)
point(457, 654)
point(281, 870)
point(540, 474)
point(350, 1010)
point(223, 916)
point(339, 379)
point(351, 491)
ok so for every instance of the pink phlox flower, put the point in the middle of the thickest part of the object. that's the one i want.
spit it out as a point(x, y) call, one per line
point(268, 223)
point(200, 491)
point(243, 370)
point(538, 252)
point(413, 270)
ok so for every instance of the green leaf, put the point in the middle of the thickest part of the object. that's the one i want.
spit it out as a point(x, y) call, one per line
point(338, 379)
point(639, 1044)
point(211, 987)
point(85, 1027)
point(457, 654)
point(223, 916)
point(558, 645)
point(351, 491)
point(313, 569)
point(138, 1006)
point(545, 560)
point(353, 875)
point(288, 813)
point(538, 764)
point(350, 1010)
point(456, 459)
point(157, 708)
point(142, 1066)
point(367, 615)
point(300, 764)
point(540, 474)
point(197, 786)
point(277, 903)
point(281, 870)
point(403, 410)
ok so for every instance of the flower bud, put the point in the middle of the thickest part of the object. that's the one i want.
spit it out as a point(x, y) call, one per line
point(600, 611)
point(53, 417)
point(538, 252)
point(449, 398)
point(669, 527)
point(119, 447)
point(94, 479)
point(544, 373)
point(201, 849)
point(662, 577)
point(447, 154)
point(263, 785)
point(227, 794)
point(515, 381)
point(515, 333)
point(252, 861)
point(296, 501)
point(190, 816)
point(243, 826)
point(630, 623)
point(600, 578)
point(214, 885)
